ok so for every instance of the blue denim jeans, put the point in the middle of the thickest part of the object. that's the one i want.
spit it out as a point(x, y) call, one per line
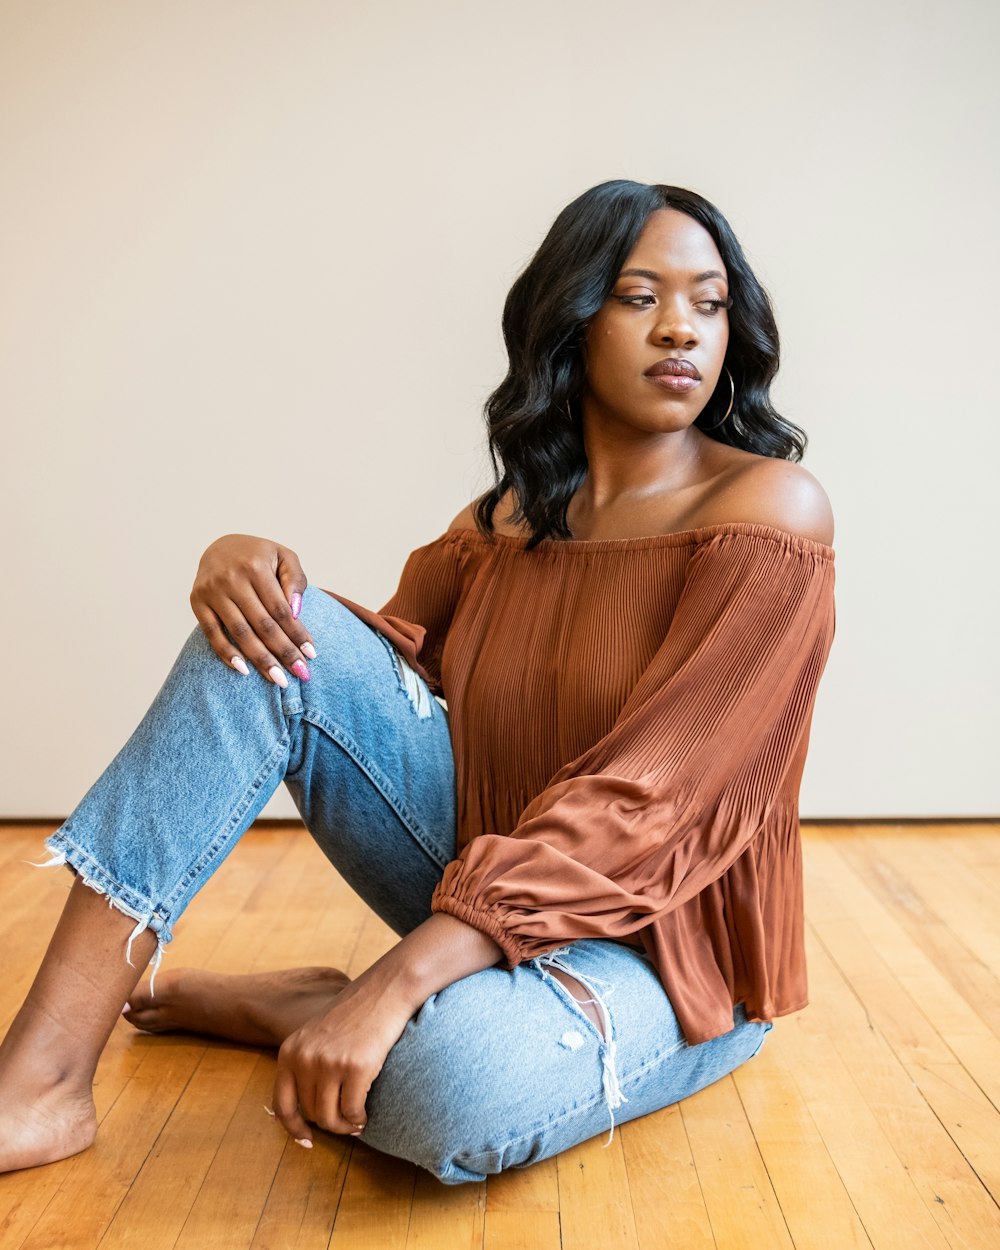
point(498, 1070)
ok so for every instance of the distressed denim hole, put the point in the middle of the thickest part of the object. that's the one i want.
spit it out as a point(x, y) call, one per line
point(410, 683)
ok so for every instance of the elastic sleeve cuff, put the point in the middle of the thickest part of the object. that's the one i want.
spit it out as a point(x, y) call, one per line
point(483, 919)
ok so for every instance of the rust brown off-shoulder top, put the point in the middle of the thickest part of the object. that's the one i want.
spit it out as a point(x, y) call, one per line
point(629, 719)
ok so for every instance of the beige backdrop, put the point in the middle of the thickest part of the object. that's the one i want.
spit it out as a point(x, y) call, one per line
point(253, 261)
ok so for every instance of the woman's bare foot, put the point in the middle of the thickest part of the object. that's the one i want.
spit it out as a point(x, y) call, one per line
point(44, 1129)
point(259, 1009)
point(46, 1112)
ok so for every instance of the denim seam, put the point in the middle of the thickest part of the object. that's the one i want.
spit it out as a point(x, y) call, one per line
point(659, 1056)
point(565, 997)
point(380, 782)
point(657, 1059)
point(544, 1125)
point(135, 905)
point(225, 836)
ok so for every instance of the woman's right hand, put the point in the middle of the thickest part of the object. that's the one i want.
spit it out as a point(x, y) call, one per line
point(247, 596)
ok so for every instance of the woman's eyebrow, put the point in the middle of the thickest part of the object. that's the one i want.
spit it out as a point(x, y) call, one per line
point(655, 277)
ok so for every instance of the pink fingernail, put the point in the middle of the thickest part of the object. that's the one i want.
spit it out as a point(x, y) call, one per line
point(304, 1141)
point(295, 603)
point(127, 1007)
point(278, 677)
point(301, 670)
point(240, 665)
point(308, 650)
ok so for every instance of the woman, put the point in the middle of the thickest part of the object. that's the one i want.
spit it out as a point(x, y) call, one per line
point(591, 855)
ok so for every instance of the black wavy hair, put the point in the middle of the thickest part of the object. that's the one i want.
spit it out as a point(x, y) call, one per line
point(534, 416)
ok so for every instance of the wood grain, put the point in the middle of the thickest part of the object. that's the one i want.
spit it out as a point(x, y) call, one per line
point(868, 1121)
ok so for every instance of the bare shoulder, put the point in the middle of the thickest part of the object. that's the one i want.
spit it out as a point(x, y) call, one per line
point(786, 495)
point(466, 519)
point(765, 490)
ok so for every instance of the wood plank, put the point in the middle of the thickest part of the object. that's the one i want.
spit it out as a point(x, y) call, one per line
point(163, 1193)
point(893, 1216)
point(522, 1230)
point(247, 937)
point(302, 1204)
point(931, 1005)
point(227, 1209)
point(965, 972)
point(594, 1195)
point(374, 1211)
point(522, 1209)
point(975, 845)
point(446, 1217)
point(814, 1203)
point(741, 1202)
point(884, 1139)
point(975, 1128)
point(667, 1199)
point(321, 923)
point(964, 899)
point(941, 1125)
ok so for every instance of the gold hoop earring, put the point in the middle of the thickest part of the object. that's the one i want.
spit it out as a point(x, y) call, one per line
point(732, 397)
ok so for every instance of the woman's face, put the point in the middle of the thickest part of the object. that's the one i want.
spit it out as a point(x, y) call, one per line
point(665, 307)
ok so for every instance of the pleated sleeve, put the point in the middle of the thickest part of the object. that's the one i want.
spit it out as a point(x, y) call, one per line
point(416, 619)
point(675, 792)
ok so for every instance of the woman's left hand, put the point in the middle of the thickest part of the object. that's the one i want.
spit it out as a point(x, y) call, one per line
point(326, 1068)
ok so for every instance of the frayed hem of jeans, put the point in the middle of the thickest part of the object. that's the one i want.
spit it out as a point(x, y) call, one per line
point(613, 1096)
point(57, 859)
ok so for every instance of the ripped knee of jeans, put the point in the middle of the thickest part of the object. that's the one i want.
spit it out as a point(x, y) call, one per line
point(572, 1040)
point(410, 682)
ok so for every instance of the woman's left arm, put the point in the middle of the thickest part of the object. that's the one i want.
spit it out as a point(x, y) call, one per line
point(326, 1068)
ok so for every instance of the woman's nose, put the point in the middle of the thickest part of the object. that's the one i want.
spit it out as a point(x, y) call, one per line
point(675, 325)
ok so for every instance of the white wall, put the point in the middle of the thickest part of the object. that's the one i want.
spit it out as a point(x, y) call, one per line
point(252, 261)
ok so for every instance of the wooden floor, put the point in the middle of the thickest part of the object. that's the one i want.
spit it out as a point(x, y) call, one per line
point(868, 1120)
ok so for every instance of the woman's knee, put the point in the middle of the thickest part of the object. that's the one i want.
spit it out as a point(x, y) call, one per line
point(429, 1103)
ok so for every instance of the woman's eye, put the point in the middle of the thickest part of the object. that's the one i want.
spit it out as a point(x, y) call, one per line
point(638, 300)
point(716, 304)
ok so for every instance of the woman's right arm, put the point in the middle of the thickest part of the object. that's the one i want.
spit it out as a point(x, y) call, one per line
point(247, 595)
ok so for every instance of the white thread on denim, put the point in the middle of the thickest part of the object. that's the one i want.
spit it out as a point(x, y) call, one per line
point(58, 858)
point(613, 1095)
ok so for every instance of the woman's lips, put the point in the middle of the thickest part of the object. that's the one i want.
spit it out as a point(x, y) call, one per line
point(673, 381)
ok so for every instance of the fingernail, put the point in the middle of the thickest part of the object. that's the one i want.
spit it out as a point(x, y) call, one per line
point(304, 1141)
point(356, 1133)
point(240, 665)
point(308, 650)
point(278, 677)
point(295, 603)
point(301, 670)
point(127, 1007)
